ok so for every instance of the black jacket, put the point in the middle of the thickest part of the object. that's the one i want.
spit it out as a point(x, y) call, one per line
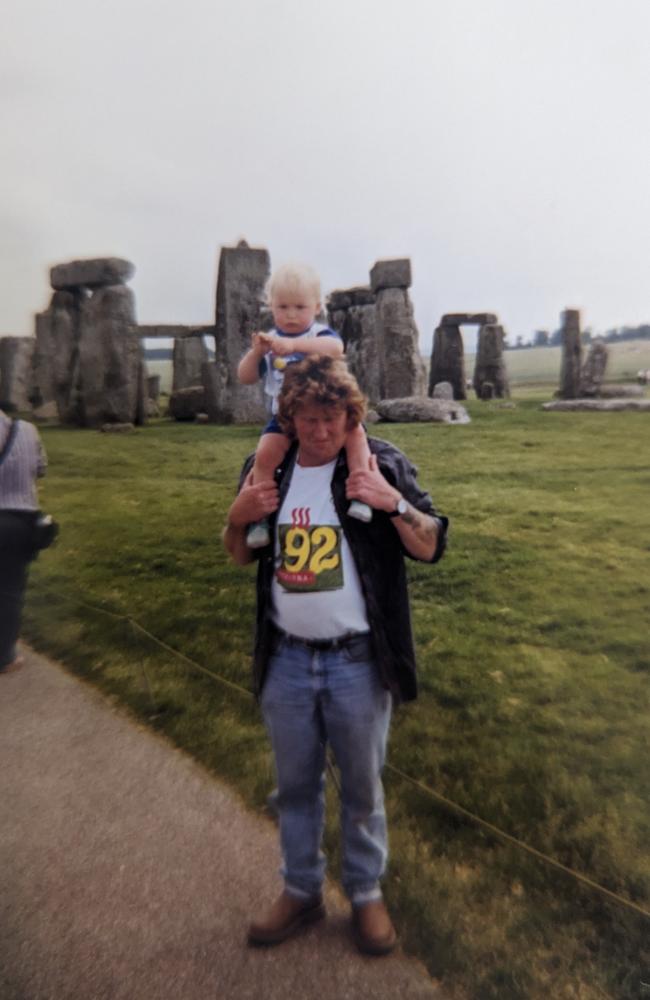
point(379, 557)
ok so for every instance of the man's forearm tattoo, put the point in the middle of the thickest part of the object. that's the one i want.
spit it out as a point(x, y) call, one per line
point(425, 526)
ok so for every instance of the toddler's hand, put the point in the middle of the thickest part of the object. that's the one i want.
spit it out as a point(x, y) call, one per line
point(259, 342)
point(282, 346)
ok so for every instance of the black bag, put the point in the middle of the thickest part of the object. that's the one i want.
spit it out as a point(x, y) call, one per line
point(45, 531)
point(45, 528)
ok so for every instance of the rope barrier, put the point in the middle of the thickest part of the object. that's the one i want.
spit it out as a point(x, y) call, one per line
point(430, 792)
point(516, 842)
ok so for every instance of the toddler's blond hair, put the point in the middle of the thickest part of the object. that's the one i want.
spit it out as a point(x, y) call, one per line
point(295, 278)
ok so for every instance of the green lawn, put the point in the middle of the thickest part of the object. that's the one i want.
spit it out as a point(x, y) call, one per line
point(532, 636)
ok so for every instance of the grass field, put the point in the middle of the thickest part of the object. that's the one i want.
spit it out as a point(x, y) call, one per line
point(542, 364)
point(532, 638)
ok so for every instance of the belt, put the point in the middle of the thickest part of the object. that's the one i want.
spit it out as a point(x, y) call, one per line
point(322, 645)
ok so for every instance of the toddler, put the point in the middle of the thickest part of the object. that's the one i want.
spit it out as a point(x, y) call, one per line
point(293, 292)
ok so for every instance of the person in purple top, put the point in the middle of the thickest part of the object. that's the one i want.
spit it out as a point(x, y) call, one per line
point(22, 460)
point(294, 294)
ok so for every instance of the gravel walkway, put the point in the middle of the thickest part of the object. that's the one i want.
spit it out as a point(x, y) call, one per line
point(127, 872)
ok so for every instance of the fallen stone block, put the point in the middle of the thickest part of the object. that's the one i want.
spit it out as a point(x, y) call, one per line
point(184, 404)
point(601, 405)
point(415, 409)
point(626, 390)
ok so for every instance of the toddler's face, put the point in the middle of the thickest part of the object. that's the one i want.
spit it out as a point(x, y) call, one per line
point(294, 312)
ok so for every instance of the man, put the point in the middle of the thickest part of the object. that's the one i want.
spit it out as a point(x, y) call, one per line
point(333, 645)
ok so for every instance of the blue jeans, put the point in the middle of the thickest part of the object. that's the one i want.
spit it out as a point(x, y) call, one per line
point(310, 698)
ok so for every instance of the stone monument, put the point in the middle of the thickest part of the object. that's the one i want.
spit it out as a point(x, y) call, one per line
point(401, 370)
point(571, 355)
point(448, 358)
point(490, 368)
point(592, 373)
point(243, 273)
point(448, 353)
point(88, 356)
point(189, 355)
point(351, 312)
point(15, 373)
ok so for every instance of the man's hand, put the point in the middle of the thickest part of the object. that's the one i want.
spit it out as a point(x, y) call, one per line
point(253, 502)
point(370, 486)
point(418, 532)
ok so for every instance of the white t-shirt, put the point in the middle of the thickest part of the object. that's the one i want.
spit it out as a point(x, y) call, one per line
point(316, 593)
point(275, 365)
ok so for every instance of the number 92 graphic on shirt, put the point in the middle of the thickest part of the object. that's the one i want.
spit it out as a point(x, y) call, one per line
point(310, 557)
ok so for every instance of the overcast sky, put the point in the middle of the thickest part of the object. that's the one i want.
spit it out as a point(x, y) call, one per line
point(502, 145)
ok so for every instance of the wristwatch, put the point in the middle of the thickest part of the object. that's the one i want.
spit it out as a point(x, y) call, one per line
point(401, 508)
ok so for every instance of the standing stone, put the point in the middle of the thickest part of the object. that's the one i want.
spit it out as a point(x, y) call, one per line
point(153, 387)
point(571, 355)
point(56, 355)
point(243, 273)
point(110, 384)
point(15, 373)
point(448, 360)
point(593, 370)
point(401, 369)
point(351, 312)
point(490, 368)
point(42, 391)
point(443, 390)
point(211, 386)
point(189, 354)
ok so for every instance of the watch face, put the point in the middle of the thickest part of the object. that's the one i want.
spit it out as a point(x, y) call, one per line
point(402, 506)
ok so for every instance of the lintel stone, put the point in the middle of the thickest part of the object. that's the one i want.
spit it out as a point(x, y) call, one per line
point(174, 330)
point(466, 319)
point(91, 273)
point(345, 298)
point(391, 274)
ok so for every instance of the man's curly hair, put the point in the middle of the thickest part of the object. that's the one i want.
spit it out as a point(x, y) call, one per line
point(324, 381)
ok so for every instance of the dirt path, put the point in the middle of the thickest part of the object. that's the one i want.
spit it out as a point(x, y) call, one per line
point(129, 873)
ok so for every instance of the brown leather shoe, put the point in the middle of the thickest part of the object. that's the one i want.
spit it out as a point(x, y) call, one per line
point(287, 915)
point(373, 930)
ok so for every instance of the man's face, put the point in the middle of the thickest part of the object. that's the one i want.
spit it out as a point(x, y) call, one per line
point(321, 432)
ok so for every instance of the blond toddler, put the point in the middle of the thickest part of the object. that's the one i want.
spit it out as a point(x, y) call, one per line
point(294, 295)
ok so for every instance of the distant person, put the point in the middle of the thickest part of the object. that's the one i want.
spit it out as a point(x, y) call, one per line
point(294, 295)
point(22, 460)
point(333, 645)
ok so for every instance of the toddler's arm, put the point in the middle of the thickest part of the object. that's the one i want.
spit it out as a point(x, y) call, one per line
point(248, 370)
point(330, 346)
